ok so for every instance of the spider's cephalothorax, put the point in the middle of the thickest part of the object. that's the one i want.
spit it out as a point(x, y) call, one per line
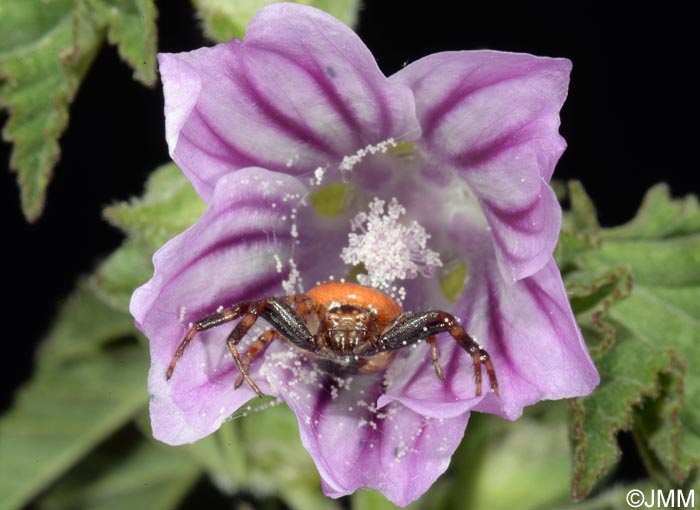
point(355, 327)
point(346, 327)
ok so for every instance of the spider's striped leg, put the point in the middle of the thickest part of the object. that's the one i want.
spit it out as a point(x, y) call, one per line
point(410, 328)
point(213, 320)
point(471, 346)
point(434, 355)
point(238, 333)
point(282, 317)
point(279, 312)
point(255, 349)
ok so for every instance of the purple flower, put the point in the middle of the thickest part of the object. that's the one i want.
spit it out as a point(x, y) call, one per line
point(443, 165)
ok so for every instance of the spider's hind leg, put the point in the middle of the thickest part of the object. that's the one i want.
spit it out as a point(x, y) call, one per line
point(478, 354)
point(280, 314)
point(434, 355)
point(252, 352)
point(410, 328)
point(211, 321)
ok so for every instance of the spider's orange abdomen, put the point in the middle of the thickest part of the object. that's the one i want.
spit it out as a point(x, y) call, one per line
point(341, 293)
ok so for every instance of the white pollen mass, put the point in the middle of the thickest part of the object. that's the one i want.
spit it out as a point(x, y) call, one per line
point(350, 161)
point(389, 250)
point(318, 174)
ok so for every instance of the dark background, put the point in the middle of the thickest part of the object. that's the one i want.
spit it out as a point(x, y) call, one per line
point(629, 85)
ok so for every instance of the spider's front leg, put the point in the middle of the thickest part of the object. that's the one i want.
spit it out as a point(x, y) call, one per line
point(284, 319)
point(411, 328)
point(278, 312)
point(211, 321)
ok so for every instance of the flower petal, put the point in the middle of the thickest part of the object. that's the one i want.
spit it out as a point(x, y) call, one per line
point(493, 118)
point(412, 381)
point(230, 255)
point(300, 92)
point(527, 327)
point(353, 443)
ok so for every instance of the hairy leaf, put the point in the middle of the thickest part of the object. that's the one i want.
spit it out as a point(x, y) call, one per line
point(46, 48)
point(131, 27)
point(636, 292)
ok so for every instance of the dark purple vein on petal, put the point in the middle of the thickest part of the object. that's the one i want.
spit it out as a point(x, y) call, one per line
point(326, 86)
point(234, 152)
point(255, 239)
point(507, 248)
point(266, 287)
point(240, 156)
point(285, 124)
point(546, 303)
point(497, 335)
point(480, 154)
point(384, 118)
point(463, 91)
point(518, 219)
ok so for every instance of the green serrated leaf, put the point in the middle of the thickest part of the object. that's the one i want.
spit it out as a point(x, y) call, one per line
point(47, 47)
point(39, 78)
point(656, 429)
point(662, 263)
point(128, 471)
point(224, 20)
point(591, 296)
point(659, 217)
point(131, 27)
point(123, 271)
point(580, 231)
point(650, 331)
point(63, 413)
point(583, 218)
point(169, 206)
point(89, 381)
point(673, 428)
point(629, 372)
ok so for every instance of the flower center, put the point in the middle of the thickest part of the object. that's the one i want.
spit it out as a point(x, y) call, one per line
point(387, 249)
